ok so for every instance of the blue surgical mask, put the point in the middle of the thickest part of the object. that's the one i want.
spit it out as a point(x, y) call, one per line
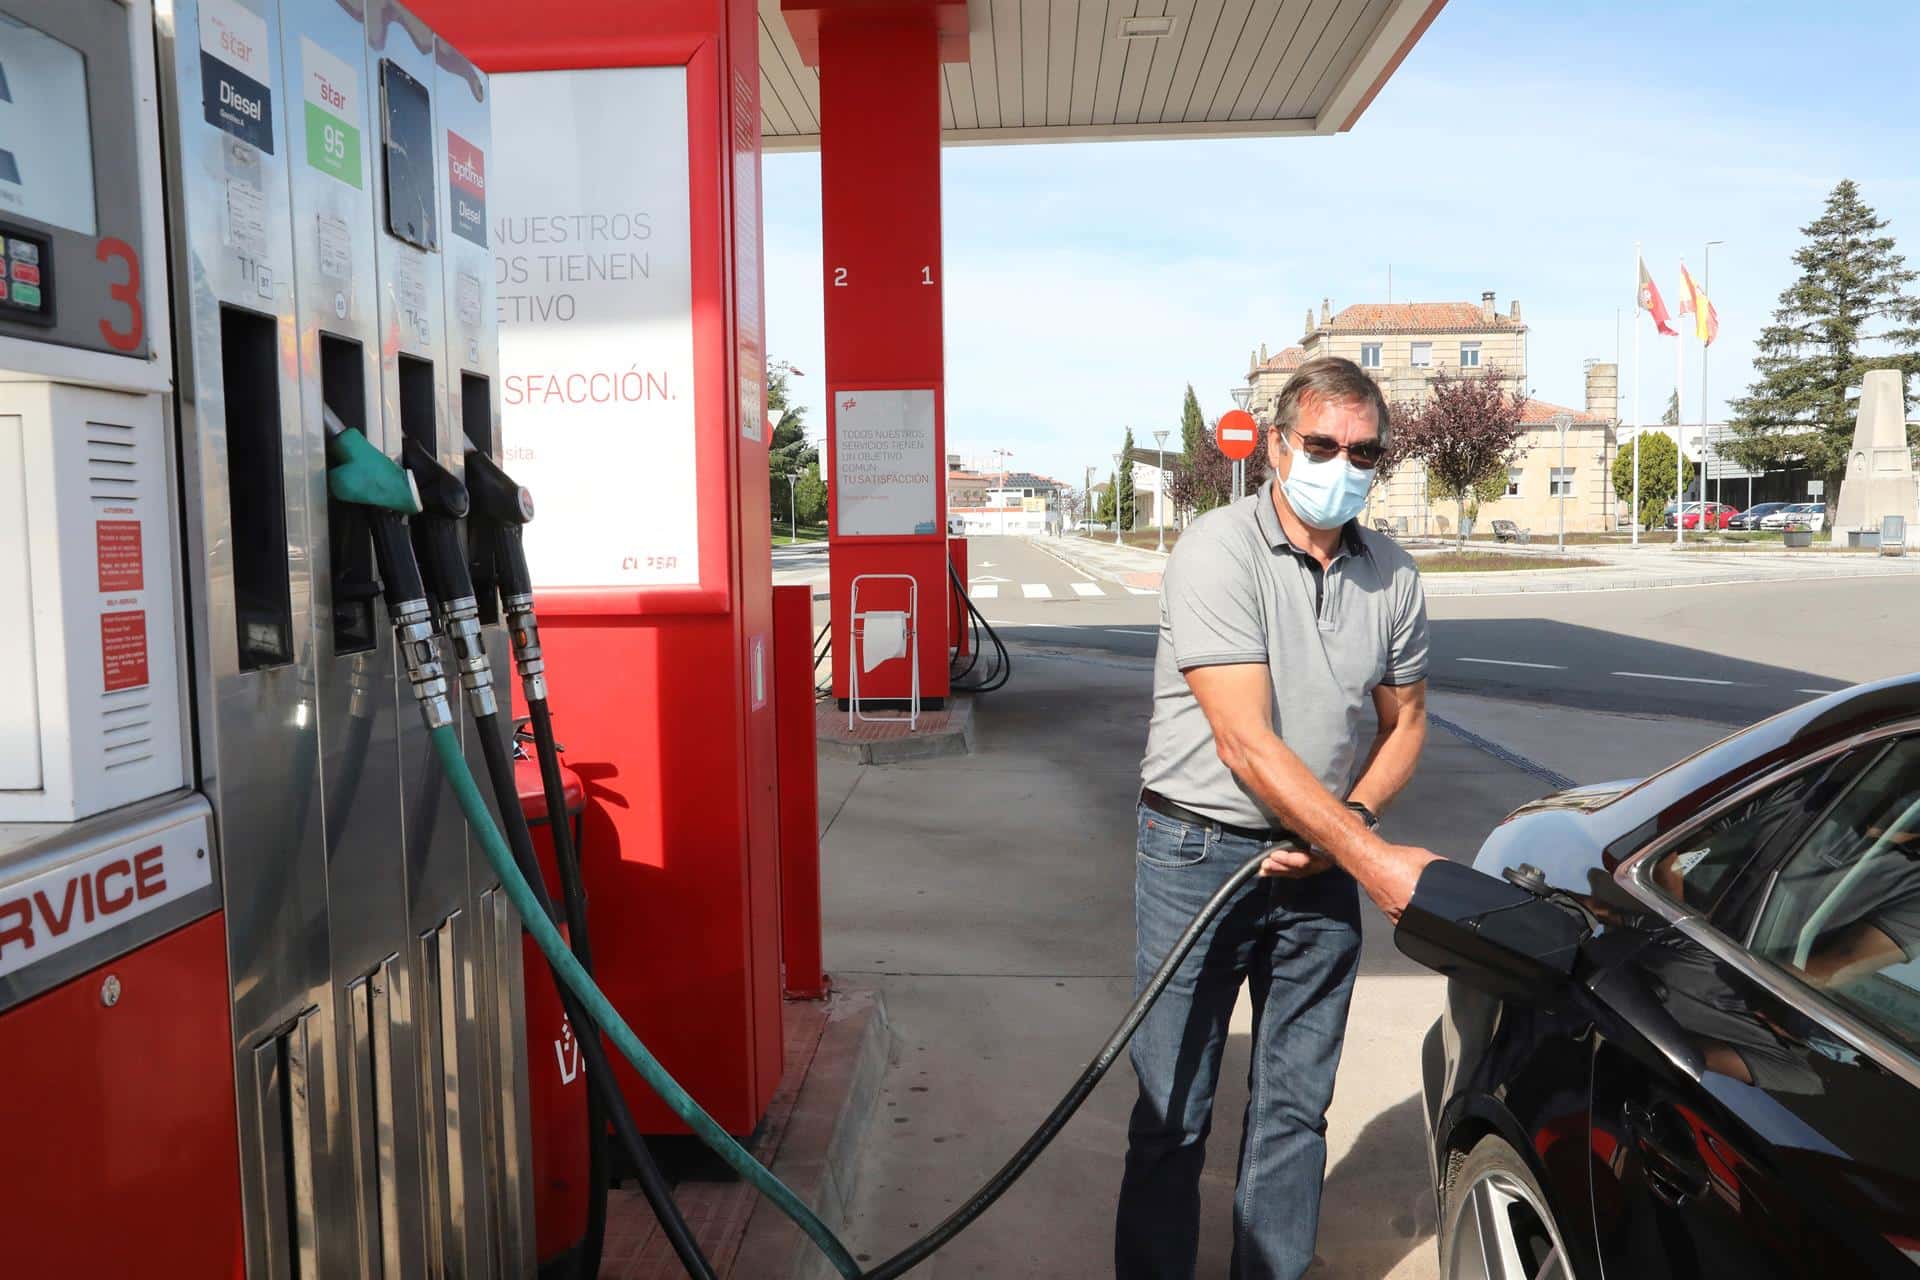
point(1326, 494)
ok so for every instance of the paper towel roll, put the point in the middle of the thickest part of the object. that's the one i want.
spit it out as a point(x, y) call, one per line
point(884, 637)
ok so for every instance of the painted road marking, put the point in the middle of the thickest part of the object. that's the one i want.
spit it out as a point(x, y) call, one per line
point(1648, 675)
point(990, 578)
point(1503, 662)
point(1036, 591)
point(1118, 631)
point(988, 592)
point(1142, 591)
point(1088, 589)
point(1821, 692)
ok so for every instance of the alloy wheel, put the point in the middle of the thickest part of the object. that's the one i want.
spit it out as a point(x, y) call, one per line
point(1502, 1232)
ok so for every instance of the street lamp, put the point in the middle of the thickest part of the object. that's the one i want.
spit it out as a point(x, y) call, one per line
point(1118, 458)
point(1002, 455)
point(1160, 489)
point(1561, 422)
point(793, 532)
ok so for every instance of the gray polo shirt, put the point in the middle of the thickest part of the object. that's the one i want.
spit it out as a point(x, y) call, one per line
point(1236, 591)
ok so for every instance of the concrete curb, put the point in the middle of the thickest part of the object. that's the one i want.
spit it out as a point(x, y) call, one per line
point(950, 735)
point(820, 1154)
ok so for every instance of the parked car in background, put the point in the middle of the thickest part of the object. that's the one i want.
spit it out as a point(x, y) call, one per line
point(1682, 1028)
point(1809, 515)
point(1716, 515)
point(1752, 516)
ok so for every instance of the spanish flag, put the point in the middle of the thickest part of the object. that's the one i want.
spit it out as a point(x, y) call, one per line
point(1706, 321)
point(1651, 302)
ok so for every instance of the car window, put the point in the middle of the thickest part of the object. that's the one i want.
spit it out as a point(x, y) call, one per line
point(1698, 871)
point(1844, 911)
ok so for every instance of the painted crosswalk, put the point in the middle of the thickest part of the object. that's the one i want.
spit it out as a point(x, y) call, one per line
point(1036, 591)
point(1087, 589)
point(984, 591)
point(988, 588)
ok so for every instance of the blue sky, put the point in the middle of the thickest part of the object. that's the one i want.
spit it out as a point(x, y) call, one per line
point(1522, 147)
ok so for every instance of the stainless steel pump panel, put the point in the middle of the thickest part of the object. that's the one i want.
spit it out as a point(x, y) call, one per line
point(463, 105)
point(332, 171)
point(445, 923)
point(247, 476)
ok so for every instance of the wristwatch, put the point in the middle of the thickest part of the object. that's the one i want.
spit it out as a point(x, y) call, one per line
point(1366, 814)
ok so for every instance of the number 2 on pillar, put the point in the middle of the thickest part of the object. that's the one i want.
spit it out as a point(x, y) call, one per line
point(839, 277)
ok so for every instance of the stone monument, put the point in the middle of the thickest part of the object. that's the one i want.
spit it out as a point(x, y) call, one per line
point(1879, 480)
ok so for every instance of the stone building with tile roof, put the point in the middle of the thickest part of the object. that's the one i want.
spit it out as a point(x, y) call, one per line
point(1405, 345)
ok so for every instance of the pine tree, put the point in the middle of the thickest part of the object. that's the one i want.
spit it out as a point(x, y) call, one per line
point(1193, 426)
point(1848, 312)
point(1671, 416)
point(1123, 485)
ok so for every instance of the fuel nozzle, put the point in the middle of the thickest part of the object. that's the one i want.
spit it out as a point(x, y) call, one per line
point(359, 473)
point(504, 506)
point(436, 531)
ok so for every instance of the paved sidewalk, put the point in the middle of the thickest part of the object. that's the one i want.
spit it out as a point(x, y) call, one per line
point(990, 900)
point(1626, 568)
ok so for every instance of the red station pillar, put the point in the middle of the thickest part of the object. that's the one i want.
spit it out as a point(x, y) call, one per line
point(880, 215)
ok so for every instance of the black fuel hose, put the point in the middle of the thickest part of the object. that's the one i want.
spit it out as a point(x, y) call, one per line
point(1009, 1173)
point(1002, 668)
point(599, 1071)
point(573, 899)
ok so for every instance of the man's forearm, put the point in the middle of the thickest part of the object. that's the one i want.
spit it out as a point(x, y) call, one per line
point(1390, 765)
point(1289, 789)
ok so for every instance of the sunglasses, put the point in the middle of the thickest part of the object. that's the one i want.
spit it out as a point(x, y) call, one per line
point(1364, 454)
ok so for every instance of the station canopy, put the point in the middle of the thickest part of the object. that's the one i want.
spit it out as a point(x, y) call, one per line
point(1091, 70)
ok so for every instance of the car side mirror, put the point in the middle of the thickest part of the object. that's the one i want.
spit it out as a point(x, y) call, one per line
point(1490, 934)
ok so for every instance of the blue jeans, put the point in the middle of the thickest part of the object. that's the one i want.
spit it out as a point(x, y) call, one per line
point(1297, 943)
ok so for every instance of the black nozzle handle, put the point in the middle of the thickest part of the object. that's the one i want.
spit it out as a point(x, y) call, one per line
point(436, 530)
point(504, 504)
point(497, 496)
point(393, 555)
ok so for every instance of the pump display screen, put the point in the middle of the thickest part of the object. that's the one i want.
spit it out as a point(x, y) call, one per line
point(46, 147)
point(409, 158)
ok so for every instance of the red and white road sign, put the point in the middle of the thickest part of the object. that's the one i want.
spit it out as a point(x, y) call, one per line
point(1236, 433)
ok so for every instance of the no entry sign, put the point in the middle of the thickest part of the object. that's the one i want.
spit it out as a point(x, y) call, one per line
point(1236, 433)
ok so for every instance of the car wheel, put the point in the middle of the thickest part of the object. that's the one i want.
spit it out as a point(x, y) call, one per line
point(1494, 1221)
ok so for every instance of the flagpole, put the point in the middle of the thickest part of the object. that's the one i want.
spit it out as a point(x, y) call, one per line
point(1679, 435)
point(1635, 522)
point(1706, 344)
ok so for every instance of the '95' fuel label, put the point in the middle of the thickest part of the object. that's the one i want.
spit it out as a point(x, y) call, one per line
point(332, 99)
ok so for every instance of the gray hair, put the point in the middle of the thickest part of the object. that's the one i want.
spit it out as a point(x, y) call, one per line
point(1330, 378)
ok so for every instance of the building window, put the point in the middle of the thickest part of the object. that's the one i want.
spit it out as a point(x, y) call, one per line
point(1562, 482)
point(1422, 355)
point(1513, 482)
point(1469, 355)
point(1369, 355)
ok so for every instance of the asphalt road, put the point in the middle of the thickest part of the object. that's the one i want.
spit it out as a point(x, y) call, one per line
point(1733, 654)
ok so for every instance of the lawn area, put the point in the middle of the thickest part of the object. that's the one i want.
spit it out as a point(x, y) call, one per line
point(806, 533)
point(1148, 538)
point(1497, 562)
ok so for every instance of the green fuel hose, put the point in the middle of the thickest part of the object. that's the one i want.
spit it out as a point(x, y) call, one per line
point(446, 748)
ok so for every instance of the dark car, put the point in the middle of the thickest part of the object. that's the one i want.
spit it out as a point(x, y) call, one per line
point(1682, 1035)
point(1752, 516)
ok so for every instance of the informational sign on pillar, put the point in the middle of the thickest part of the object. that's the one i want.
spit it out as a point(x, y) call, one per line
point(594, 265)
point(885, 466)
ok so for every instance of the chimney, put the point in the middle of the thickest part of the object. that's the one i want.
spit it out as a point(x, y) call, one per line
point(1309, 328)
point(1603, 390)
point(1326, 311)
point(1486, 306)
point(1516, 311)
point(1263, 353)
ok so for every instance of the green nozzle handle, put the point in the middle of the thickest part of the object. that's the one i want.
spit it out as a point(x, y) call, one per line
point(359, 473)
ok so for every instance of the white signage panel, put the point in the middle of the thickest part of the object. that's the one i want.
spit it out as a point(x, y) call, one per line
point(884, 465)
point(593, 260)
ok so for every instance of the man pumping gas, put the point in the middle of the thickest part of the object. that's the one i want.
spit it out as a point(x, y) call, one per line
point(1289, 709)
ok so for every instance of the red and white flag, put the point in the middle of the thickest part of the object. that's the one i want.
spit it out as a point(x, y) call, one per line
point(1652, 303)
